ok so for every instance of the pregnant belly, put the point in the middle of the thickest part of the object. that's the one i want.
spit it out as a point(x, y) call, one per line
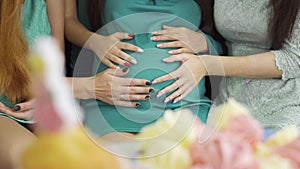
point(149, 66)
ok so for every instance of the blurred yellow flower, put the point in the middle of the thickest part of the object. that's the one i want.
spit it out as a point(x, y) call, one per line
point(166, 143)
point(283, 137)
point(66, 149)
point(222, 114)
point(270, 160)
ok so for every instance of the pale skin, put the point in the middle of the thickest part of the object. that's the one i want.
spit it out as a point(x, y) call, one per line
point(55, 11)
point(186, 40)
point(109, 86)
point(194, 68)
point(13, 139)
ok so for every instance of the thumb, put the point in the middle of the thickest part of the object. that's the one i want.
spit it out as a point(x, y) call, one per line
point(118, 71)
point(122, 35)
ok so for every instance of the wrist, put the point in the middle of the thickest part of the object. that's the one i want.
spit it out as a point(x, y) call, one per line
point(93, 42)
point(202, 45)
point(212, 65)
point(82, 87)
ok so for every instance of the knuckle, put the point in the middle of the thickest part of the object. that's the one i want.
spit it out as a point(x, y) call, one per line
point(119, 53)
point(127, 46)
point(132, 90)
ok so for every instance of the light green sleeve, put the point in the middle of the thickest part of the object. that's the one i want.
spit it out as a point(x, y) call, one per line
point(35, 21)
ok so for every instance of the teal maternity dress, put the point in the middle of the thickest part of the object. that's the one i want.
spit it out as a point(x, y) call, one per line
point(141, 17)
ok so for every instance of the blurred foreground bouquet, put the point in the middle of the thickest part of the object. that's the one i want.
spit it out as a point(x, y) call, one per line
point(61, 141)
point(231, 139)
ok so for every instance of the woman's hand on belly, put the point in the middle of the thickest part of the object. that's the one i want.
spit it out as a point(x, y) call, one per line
point(184, 39)
point(109, 86)
point(109, 49)
point(188, 75)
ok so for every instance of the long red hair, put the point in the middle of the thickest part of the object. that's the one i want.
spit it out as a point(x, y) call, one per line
point(14, 76)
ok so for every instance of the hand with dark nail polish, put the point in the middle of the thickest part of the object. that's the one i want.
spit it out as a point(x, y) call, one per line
point(151, 91)
point(17, 108)
point(127, 64)
point(125, 69)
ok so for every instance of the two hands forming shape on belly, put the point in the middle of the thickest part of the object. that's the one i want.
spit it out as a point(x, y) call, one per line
point(186, 43)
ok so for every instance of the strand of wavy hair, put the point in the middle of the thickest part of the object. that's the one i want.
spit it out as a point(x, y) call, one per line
point(14, 76)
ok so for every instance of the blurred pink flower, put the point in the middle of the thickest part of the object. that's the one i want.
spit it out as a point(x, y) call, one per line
point(290, 151)
point(245, 127)
point(223, 151)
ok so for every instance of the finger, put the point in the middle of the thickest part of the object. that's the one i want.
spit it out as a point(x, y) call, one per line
point(162, 38)
point(24, 106)
point(177, 99)
point(183, 95)
point(181, 50)
point(174, 95)
point(119, 61)
point(160, 32)
point(176, 58)
point(27, 115)
point(117, 72)
point(128, 46)
point(4, 109)
point(174, 44)
point(108, 63)
point(132, 90)
point(166, 77)
point(168, 27)
point(168, 89)
point(180, 92)
point(122, 35)
point(127, 103)
point(125, 56)
point(133, 82)
point(139, 90)
point(134, 97)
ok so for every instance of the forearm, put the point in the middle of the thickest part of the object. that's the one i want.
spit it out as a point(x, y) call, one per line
point(253, 66)
point(75, 32)
point(55, 10)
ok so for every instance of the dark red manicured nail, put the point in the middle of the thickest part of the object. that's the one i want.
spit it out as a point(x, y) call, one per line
point(137, 105)
point(148, 97)
point(151, 91)
point(127, 64)
point(131, 35)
